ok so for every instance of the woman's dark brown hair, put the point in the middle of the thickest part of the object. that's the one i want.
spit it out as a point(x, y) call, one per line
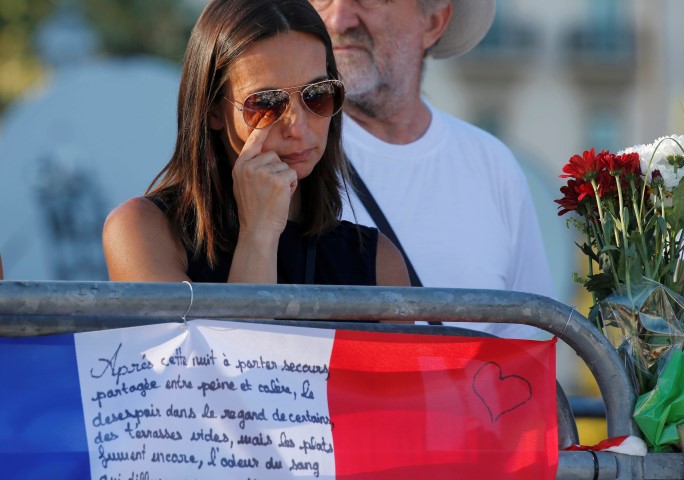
point(196, 184)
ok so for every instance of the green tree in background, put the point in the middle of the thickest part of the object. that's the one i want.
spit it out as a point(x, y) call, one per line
point(131, 27)
point(20, 67)
point(124, 27)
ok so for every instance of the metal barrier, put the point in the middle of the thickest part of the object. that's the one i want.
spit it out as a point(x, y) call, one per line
point(587, 407)
point(42, 308)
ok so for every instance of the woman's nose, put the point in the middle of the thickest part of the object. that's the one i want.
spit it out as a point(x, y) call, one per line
point(297, 116)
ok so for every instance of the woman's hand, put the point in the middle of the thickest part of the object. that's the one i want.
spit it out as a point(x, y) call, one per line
point(263, 186)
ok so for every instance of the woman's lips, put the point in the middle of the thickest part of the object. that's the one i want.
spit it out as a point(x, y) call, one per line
point(296, 156)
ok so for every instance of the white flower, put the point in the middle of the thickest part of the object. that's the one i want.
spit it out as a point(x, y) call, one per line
point(654, 157)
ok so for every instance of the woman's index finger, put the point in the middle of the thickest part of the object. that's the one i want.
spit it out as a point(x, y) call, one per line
point(254, 143)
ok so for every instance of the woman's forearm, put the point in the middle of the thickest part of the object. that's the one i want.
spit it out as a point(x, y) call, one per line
point(256, 258)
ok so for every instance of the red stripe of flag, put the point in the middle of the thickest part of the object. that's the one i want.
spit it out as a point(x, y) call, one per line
point(415, 406)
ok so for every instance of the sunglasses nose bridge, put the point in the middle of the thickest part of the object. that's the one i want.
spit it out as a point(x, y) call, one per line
point(289, 109)
point(289, 97)
point(302, 102)
point(288, 104)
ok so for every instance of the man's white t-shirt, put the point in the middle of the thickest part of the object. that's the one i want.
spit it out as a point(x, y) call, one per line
point(460, 205)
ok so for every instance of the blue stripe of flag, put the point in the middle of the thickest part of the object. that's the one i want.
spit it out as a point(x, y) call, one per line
point(42, 432)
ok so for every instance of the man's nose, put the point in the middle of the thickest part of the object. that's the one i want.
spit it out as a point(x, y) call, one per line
point(341, 15)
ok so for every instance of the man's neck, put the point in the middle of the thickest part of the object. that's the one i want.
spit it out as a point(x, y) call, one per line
point(398, 126)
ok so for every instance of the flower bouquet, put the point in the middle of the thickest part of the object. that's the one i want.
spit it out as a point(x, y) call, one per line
point(629, 206)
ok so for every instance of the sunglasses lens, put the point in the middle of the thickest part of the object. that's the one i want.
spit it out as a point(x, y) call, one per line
point(324, 98)
point(262, 109)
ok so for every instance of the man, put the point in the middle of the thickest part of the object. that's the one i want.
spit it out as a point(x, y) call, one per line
point(453, 194)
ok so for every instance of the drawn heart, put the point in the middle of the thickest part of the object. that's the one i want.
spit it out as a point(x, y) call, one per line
point(500, 394)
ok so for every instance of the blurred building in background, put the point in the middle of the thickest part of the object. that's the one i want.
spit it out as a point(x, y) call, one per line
point(552, 79)
point(88, 91)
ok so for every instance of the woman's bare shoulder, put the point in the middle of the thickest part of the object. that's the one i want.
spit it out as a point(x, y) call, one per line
point(136, 209)
point(140, 244)
point(389, 264)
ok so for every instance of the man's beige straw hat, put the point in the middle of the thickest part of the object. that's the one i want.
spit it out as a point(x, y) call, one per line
point(469, 24)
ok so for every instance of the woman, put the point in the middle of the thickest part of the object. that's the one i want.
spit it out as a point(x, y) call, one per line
point(252, 191)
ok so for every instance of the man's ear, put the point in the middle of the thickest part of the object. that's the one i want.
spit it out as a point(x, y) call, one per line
point(216, 119)
point(435, 24)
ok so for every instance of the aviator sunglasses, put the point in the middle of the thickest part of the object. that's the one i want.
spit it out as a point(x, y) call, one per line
point(262, 109)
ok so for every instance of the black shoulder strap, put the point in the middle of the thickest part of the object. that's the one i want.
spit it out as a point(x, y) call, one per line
point(383, 225)
point(381, 221)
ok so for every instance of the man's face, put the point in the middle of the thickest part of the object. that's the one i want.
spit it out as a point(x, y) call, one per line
point(377, 49)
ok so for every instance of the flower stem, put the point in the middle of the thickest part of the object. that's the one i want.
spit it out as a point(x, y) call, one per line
point(634, 206)
point(598, 201)
point(591, 262)
point(625, 254)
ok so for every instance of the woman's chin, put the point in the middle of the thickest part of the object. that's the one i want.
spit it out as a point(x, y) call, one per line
point(302, 170)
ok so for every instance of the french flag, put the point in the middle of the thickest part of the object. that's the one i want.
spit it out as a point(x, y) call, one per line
point(219, 399)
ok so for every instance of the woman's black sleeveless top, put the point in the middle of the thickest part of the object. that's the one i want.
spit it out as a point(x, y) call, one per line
point(343, 256)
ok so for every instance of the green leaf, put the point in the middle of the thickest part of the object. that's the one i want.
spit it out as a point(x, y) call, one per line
point(595, 317)
point(601, 284)
point(588, 251)
point(676, 213)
